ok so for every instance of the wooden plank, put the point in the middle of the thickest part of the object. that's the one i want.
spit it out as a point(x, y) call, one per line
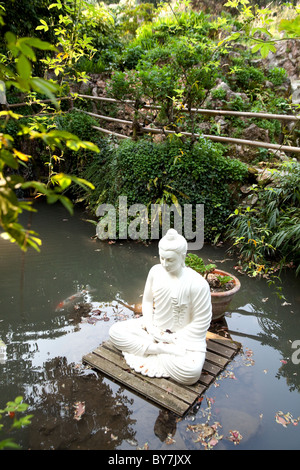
point(108, 351)
point(228, 342)
point(144, 387)
point(176, 388)
point(220, 349)
point(216, 359)
point(206, 378)
point(164, 384)
point(165, 392)
point(211, 368)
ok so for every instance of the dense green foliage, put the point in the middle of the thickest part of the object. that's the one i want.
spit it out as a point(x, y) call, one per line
point(166, 173)
point(168, 56)
point(271, 229)
point(173, 58)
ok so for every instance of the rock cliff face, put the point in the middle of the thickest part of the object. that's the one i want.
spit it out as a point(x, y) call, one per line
point(287, 56)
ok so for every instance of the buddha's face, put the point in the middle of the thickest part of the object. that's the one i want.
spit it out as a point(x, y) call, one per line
point(170, 260)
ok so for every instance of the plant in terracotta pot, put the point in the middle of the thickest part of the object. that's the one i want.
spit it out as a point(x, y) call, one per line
point(223, 285)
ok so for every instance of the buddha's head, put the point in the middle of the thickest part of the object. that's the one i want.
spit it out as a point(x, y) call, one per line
point(172, 251)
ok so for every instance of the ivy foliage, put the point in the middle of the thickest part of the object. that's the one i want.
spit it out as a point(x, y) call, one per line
point(170, 172)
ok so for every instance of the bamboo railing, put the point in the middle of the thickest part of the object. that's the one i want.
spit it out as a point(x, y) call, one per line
point(216, 138)
point(284, 117)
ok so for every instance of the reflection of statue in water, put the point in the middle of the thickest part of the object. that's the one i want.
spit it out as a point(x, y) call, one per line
point(165, 425)
point(169, 340)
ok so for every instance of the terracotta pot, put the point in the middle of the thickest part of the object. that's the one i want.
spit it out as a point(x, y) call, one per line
point(221, 300)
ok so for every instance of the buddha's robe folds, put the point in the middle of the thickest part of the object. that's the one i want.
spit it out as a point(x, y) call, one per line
point(180, 310)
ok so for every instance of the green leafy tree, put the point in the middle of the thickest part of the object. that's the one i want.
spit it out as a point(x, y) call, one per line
point(18, 75)
point(21, 18)
point(259, 28)
point(75, 31)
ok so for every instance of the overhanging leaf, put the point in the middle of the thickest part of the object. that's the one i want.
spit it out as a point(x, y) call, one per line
point(67, 203)
point(45, 87)
point(62, 180)
point(23, 67)
point(291, 26)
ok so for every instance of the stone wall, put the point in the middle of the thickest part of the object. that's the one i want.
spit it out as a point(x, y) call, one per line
point(287, 56)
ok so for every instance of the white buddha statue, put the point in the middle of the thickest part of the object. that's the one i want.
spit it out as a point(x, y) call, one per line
point(169, 339)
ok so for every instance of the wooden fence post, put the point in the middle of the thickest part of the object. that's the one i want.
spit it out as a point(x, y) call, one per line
point(135, 123)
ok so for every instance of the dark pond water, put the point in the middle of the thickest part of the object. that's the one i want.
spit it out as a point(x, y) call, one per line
point(45, 344)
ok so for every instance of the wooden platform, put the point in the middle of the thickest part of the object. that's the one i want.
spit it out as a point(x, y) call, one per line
point(165, 392)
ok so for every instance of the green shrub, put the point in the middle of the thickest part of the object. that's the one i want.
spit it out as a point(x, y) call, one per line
point(249, 77)
point(91, 66)
point(219, 94)
point(277, 75)
point(237, 104)
point(155, 54)
point(79, 124)
point(131, 56)
point(158, 83)
point(124, 85)
point(153, 173)
point(268, 234)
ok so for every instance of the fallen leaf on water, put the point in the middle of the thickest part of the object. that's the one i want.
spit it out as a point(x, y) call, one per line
point(105, 429)
point(92, 320)
point(216, 425)
point(281, 420)
point(286, 419)
point(79, 410)
point(235, 437)
point(204, 429)
point(214, 441)
point(145, 447)
point(248, 361)
point(132, 442)
point(96, 312)
point(207, 435)
point(249, 352)
point(283, 361)
point(113, 437)
point(210, 401)
point(232, 376)
point(169, 440)
point(251, 362)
